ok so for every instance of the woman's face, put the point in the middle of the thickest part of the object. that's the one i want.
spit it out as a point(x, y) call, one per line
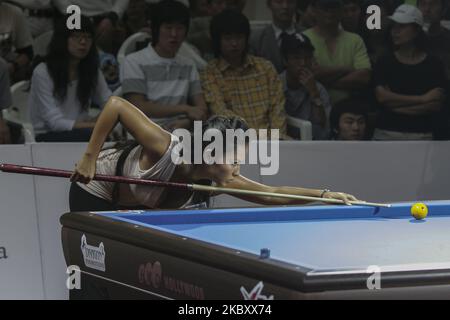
point(224, 174)
point(79, 44)
point(403, 34)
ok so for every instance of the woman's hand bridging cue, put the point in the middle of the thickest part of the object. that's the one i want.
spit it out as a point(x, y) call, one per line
point(347, 198)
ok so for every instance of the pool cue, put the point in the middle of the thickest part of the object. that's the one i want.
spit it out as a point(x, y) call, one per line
point(10, 168)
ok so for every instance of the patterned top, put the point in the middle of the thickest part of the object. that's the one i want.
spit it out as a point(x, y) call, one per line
point(253, 92)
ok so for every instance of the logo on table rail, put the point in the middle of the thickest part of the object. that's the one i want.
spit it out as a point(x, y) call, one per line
point(151, 275)
point(235, 147)
point(94, 257)
point(3, 253)
point(256, 293)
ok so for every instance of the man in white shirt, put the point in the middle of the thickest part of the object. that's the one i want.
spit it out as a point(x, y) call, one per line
point(40, 14)
point(15, 41)
point(158, 80)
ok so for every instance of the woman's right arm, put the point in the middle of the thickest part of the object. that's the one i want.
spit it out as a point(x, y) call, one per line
point(153, 138)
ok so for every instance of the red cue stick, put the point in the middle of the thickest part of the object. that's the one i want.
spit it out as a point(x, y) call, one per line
point(11, 168)
point(193, 187)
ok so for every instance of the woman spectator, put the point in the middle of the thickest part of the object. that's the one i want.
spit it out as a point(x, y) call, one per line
point(409, 83)
point(64, 86)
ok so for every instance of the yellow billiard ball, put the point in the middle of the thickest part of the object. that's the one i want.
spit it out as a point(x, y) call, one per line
point(419, 211)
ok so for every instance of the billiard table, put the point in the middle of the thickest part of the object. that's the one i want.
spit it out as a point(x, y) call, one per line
point(311, 252)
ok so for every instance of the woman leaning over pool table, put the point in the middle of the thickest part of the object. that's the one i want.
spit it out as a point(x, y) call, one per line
point(149, 157)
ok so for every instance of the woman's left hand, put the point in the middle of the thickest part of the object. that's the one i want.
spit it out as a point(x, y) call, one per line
point(84, 170)
point(347, 198)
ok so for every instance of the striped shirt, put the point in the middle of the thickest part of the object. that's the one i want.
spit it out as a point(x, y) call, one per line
point(162, 80)
point(253, 92)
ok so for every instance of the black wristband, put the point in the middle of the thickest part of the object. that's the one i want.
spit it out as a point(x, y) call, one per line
point(324, 192)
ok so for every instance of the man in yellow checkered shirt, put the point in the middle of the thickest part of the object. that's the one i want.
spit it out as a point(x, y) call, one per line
point(238, 84)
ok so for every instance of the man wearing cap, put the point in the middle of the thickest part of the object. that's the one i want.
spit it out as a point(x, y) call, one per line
point(344, 66)
point(266, 42)
point(409, 83)
point(306, 98)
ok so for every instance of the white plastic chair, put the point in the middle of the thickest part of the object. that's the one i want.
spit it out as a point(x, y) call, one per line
point(18, 112)
point(186, 50)
point(304, 126)
point(40, 44)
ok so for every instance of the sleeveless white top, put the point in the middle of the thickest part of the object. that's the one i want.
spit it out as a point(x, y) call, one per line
point(146, 195)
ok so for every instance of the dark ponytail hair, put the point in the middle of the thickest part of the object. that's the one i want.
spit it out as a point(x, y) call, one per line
point(222, 124)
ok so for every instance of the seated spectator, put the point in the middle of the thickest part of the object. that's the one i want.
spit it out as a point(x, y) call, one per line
point(199, 35)
point(15, 41)
point(352, 16)
point(40, 14)
point(344, 66)
point(376, 39)
point(438, 36)
point(199, 8)
point(5, 102)
point(217, 6)
point(137, 18)
point(158, 80)
point(409, 83)
point(306, 98)
point(238, 5)
point(266, 42)
point(105, 16)
point(349, 120)
point(239, 84)
point(305, 15)
point(63, 87)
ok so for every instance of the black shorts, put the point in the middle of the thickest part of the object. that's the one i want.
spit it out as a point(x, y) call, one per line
point(82, 201)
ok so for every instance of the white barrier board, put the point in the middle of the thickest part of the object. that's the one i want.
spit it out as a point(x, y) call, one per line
point(20, 257)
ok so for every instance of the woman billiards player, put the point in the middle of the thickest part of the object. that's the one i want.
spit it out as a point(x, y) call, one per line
point(150, 158)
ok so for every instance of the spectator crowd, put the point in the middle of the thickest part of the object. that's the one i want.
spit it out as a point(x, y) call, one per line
point(183, 61)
